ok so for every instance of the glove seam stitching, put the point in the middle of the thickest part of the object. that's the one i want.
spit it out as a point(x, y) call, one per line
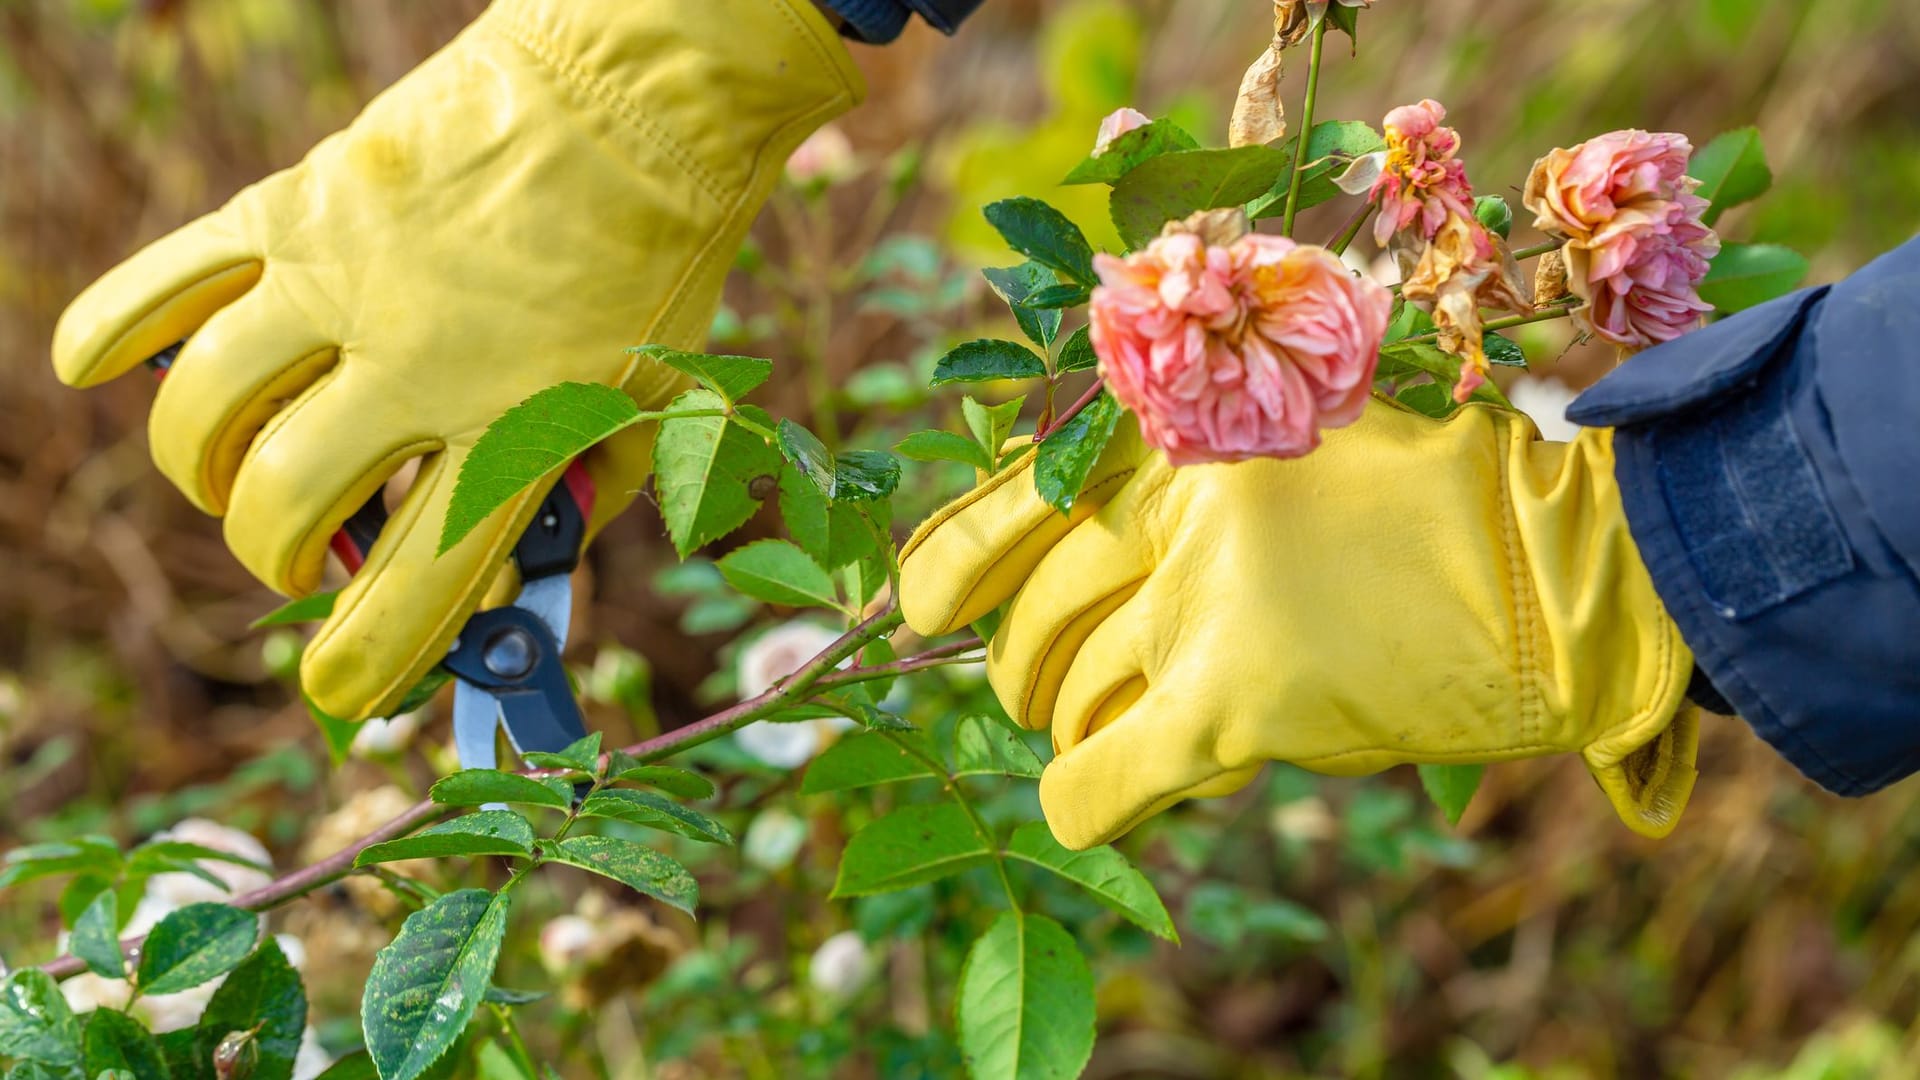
point(1523, 597)
point(547, 54)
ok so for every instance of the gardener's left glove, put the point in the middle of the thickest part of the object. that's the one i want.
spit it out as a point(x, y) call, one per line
point(562, 181)
point(1412, 591)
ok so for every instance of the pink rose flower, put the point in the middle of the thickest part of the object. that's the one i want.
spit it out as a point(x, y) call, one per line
point(1232, 352)
point(1636, 246)
point(1421, 180)
point(1118, 123)
point(1655, 295)
point(826, 155)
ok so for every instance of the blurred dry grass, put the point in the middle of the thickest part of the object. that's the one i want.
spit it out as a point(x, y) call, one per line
point(1774, 913)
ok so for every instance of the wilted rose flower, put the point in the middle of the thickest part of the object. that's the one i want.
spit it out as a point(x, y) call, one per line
point(1462, 269)
point(826, 155)
point(1421, 180)
point(1636, 246)
point(1229, 352)
point(1118, 123)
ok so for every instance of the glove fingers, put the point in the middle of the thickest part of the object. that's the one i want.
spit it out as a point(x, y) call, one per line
point(315, 463)
point(1135, 765)
point(1086, 576)
point(159, 296)
point(397, 617)
point(978, 550)
point(229, 380)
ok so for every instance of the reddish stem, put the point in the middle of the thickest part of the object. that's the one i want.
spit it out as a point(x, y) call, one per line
point(1072, 410)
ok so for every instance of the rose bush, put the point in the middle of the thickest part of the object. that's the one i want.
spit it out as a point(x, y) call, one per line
point(1228, 335)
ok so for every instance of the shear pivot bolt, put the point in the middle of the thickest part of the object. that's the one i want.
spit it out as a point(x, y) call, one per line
point(509, 654)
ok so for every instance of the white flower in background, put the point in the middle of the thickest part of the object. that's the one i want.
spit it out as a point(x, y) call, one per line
point(165, 894)
point(826, 155)
point(177, 890)
point(312, 1059)
point(773, 839)
point(841, 965)
point(385, 736)
point(766, 660)
point(1546, 401)
point(566, 942)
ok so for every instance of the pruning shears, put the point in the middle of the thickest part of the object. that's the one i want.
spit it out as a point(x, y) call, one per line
point(505, 661)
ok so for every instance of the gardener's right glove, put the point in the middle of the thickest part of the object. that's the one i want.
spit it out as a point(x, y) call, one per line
point(566, 179)
point(1412, 591)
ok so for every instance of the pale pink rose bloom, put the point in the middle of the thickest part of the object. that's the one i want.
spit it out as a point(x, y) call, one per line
point(1636, 246)
point(1118, 123)
point(1233, 352)
point(1655, 295)
point(1421, 180)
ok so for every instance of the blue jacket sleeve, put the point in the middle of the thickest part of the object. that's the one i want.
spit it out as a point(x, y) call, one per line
point(1770, 468)
point(878, 21)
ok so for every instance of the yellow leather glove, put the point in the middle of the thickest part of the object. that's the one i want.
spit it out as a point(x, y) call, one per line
point(1413, 591)
point(565, 179)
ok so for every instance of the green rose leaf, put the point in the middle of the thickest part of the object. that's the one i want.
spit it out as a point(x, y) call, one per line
point(193, 945)
point(1025, 1009)
point(1451, 787)
point(96, 936)
point(833, 533)
point(1331, 147)
point(1015, 284)
point(634, 865)
point(1408, 321)
point(1102, 871)
point(1494, 213)
point(487, 832)
point(304, 610)
point(1055, 297)
point(1077, 354)
point(1172, 186)
point(533, 439)
point(944, 446)
point(475, 787)
point(732, 377)
point(1732, 169)
point(1504, 351)
point(866, 759)
point(116, 1042)
point(655, 812)
point(336, 733)
point(1432, 399)
point(704, 468)
point(1043, 234)
point(1748, 275)
point(427, 982)
point(808, 454)
point(983, 746)
point(88, 854)
point(987, 360)
point(1066, 457)
point(1127, 151)
point(865, 476)
point(778, 572)
point(912, 845)
point(991, 425)
point(264, 991)
point(582, 755)
point(671, 779)
point(500, 995)
point(35, 1023)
